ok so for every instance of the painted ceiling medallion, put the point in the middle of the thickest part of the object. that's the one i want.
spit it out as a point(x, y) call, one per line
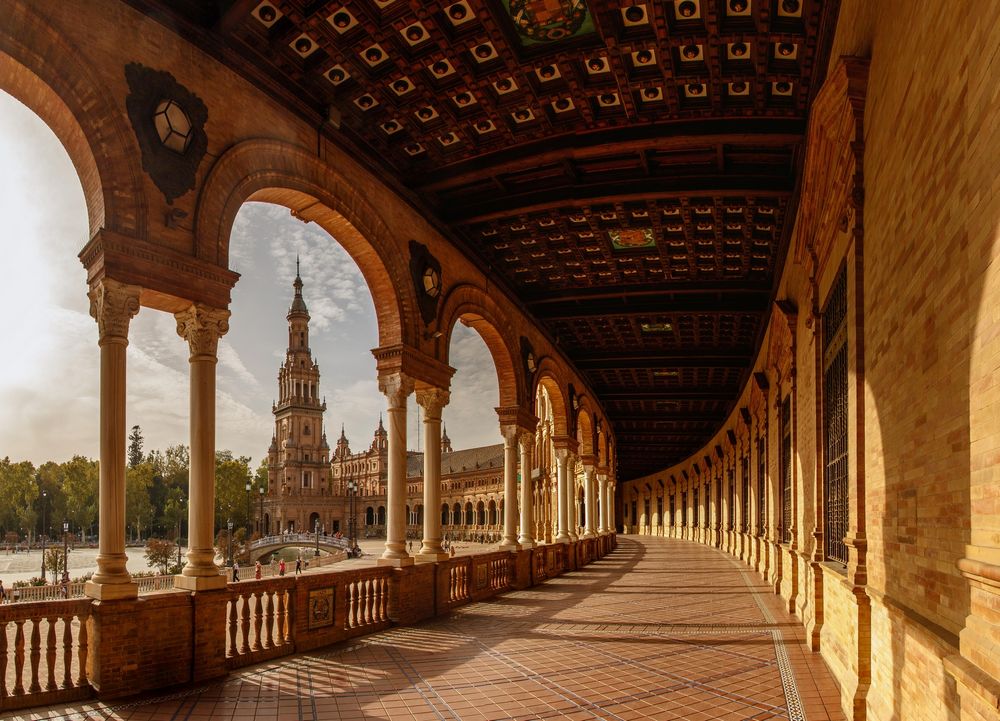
point(632, 238)
point(169, 123)
point(545, 21)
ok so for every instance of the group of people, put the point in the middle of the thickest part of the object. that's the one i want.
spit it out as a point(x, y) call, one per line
point(277, 568)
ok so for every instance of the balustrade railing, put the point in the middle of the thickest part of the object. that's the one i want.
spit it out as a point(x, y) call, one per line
point(259, 620)
point(43, 653)
point(366, 599)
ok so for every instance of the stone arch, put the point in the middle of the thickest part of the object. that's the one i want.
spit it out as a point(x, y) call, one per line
point(585, 430)
point(475, 308)
point(272, 171)
point(547, 379)
point(41, 69)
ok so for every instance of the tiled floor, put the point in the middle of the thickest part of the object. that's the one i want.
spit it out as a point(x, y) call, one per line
point(660, 629)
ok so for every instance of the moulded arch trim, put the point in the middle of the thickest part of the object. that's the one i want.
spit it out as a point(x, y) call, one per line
point(585, 429)
point(547, 377)
point(479, 311)
point(278, 172)
point(41, 69)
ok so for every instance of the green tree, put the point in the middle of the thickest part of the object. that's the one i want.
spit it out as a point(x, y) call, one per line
point(80, 484)
point(138, 505)
point(231, 477)
point(135, 447)
point(160, 552)
point(18, 496)
point(174, 510)
point(54, 559)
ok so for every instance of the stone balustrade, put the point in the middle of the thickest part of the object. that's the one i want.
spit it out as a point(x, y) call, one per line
point(58, 651)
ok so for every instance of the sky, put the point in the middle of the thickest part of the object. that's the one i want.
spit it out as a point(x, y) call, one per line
point(49, 373)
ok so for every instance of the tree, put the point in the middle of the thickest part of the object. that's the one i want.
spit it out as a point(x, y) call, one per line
point(54, 559)
point(160, 552)
point(231, 476)
point(80, 484)
point(18, 495)
point(135, 447)
point(138, 506)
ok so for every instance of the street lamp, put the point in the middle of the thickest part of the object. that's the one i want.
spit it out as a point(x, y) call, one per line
point(352, 494)
point(248, 487)
point(260, 521)
point(317, 537)
point(66, 549)
point(45, 499)
point(229, 525)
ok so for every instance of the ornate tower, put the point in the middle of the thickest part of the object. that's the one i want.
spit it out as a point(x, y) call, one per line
point(298, 460)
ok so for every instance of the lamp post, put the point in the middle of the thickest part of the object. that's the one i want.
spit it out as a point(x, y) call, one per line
point(180, 518)
point(45, 499)
point(249, 530)
point(66, 549)
point(352, 494)
point(317, 537)
point(260, 520)
point(229, 556)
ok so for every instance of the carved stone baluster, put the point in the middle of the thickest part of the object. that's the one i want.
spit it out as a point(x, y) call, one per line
point(231, 645)
point(36, 654)
point(355, 604)
point(282, 610)
point(50, 654)
point(3, 659)
point(19, 657)
point(245, 625)
point(82, 650)
point(258, 608)
point(269, 620)
point(67, 651)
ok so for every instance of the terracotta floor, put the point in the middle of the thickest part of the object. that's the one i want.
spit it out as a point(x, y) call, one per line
point(660, 629)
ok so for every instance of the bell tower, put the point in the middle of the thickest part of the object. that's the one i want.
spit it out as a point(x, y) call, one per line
point(298, 460)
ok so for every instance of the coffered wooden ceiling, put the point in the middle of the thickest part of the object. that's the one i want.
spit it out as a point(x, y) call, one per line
point(626, 169)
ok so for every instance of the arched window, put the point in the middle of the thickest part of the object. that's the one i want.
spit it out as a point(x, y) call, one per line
point(370, 516)
point(469, 519)
point(381, 515)
point(444, 514)
point(457, 515)
point(481, 514)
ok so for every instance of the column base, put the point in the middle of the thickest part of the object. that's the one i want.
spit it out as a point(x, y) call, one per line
point(111, 591)
point(526, 543)
point(589, 534)
point(430, 557)
point(200, 583)
point(396, 562)
point(561, 539)
point(506, 545)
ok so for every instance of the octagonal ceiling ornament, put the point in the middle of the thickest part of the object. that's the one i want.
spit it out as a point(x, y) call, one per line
point(538, 22)
point(426, 272)
point(169, 123)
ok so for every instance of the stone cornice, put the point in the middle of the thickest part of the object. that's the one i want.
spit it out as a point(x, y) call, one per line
point(170, 281)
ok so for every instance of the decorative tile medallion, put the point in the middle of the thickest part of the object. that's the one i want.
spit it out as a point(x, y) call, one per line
point(632, 238)
point(546, 21)
point(320, 607)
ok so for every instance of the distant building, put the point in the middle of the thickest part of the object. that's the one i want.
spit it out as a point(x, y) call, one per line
point(306, 487)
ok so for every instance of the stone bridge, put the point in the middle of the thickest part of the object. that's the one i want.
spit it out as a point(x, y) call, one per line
point(263, 547)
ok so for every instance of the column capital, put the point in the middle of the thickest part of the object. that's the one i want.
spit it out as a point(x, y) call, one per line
point(202, 326)
point(113, 304)
point(396, 386)
point(516, 416)
point(526, 437)
point(562, 454)
point(432, 400)
point(510, 434)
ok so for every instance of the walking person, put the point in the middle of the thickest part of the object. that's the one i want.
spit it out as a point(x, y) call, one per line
point(298, 566)
point(3, 593)
point(257, 570)
point(281, 567)
point(236, 571)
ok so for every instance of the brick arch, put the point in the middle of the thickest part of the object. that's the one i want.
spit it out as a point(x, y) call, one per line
point(277, 172)
point(547, 378)
point(585, 429)
point(475, 308)
point(41, 69)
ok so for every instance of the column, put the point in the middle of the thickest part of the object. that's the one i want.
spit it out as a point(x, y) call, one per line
point(526, 539)
point(432, 400)
point(510, 434)
point(602, 484)
point(572, 499)
point(396, 387)
point(562, 492)
point(202, 327)
point(112, 305)
point(588, 501)
point(609, 491)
